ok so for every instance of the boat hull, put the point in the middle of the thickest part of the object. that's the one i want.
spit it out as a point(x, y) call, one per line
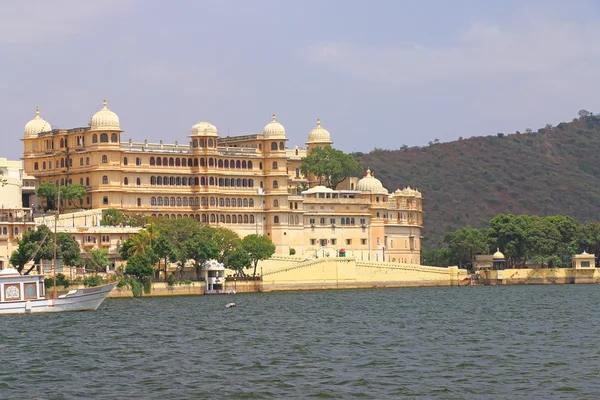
point(87, 299)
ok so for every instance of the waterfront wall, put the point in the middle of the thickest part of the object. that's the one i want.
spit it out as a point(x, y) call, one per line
point(293, 273)
point(160, 289)
point(530, 276)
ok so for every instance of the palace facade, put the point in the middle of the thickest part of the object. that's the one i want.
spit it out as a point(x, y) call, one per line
point(250, 184)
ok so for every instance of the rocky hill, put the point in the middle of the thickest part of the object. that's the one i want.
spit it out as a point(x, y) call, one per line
point(555, 170)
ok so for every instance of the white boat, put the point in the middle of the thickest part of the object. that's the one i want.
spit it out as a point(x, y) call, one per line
point(24, 294)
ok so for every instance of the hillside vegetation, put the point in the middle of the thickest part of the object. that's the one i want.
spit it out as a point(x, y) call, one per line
point(467, 182)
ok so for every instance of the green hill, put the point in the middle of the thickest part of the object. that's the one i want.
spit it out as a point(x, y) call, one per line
point(467, 182)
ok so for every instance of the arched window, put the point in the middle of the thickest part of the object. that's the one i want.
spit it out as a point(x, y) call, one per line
point(221, 182)
point(232, 164)
point(251, 202)
point(36, 166)
point(172, 181)
point(244, 164)
point(184, 180)
point(204, 218)
point(81, 181)
point(114, 138)
point(234, 219)
point(202, 181)
point(178, 181)
point(275, 203)
point(166, 201)
point(62, 142)
point(172, 201)
point(62, 162)
point(105, 180)
point(204, 202)
point(252, 219)
point(195, 162)
point(212, 181)
point(202, 143)
point(281, 146)
point(139, 202)
point(211, 162)
point(195, 143)
point(274, 164)
point(138, 181)
point(275, 185)
point(44, 165)
point(227, 203)
point(105, 200)
point(250, 182)
point(202, 162)
point(104, 138)
point(212, 218)
point(153, 180)
point(245, 202)
point(276, 219)
point(152, 201)
point(221, 202)
point(196, 182)
point(158, 161)
point(228, 219)
point(87, 161)
point(152, 161)
point(185, 201)
point(81, 161)
point(260, 165)
point(249, 164)
point(210, 143)
point(233, 203)
point(197, 202)
point(87, 181)
point(179, 202)
point(245, 219)
point(221, 218)
point(220, 164)
point(165, 161)
point(159, 180)
point(238, 164)
point(244, 182)
point(159, 201)
point(94, 138)
point(178, 162)
point(238, 182)
point(226, 163)
point(212, 202)
point(126, 181)
point(274, 146)
point(171, 162)
point(184, 162)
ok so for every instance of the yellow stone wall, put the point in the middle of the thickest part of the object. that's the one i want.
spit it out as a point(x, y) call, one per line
point(540, 276)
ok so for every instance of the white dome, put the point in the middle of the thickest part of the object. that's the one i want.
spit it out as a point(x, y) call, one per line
point(105, 120)
point(370, 184)
point(36, 126)
point(319, 134)
point(498, 255)
point(274, 130)
point(204, 128)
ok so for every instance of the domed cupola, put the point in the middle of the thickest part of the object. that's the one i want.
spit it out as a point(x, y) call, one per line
point(274, 130)
point(204, 128)
point(105, 120)
point(370, 184)
point(36, 126)
point(319, 135)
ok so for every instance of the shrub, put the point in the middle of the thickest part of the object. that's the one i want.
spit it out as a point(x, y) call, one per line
point(94, 280)
point(292, 251)
point(122, 282)
point(171, 281)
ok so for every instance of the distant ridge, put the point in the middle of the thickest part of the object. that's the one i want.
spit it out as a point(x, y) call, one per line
point(555, 170)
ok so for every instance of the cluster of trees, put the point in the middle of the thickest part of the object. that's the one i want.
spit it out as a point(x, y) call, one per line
point(185, 241)
point(49, 192)
point(545, 241)
point(38, 245)
point(114, 217)
point(329, 165)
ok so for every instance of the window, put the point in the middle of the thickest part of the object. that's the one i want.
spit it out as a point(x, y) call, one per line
point(114, 138)
point(251, 202)
point(139, 202)
point(377, 199)
point(195, 143)
point(274, 164)
point(152, 161)
point(105, 200)
point(87, 181)
point(334, 241)
point(274, 146)
point(332, 221)
point(363, 221)
point(105, 180)
point(363, 241)
point(322, 221)
point(152, 201)
point(276, 219)
point(377, 239)
point(275, 185)
point(35, 166)
point(313, 241)
point(348, 242)
point(87, 161)
point(159, 201)
point(275, 203)
point(95, 138)
point(104, 159)
point(104, 138)
point(138, 161)
point(81, 181)
point(138, 181)
point(125, 181)
point(81, 162)
point(312, 221)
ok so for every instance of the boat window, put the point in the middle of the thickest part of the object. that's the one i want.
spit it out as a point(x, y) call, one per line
point(30, 291)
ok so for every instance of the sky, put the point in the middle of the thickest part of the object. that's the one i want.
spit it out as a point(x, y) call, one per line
point(379, 74)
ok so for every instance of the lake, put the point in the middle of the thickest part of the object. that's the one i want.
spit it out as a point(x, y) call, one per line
point(446, 342)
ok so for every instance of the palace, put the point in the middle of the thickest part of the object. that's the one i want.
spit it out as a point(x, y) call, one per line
point(250, 184)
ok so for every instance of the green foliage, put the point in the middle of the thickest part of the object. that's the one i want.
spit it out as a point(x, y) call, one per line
point(112, 217)
point(141, 266)
point(292, 251)
point(49, 192)
point(122, 282)
point(171, 281)
point(329, 165)
point(98, 259)
point(93, 280)
point(164, 250)
point(258, 248)
point(61, 280)
point(73, 192)
point(238, 260)
point(465, 244)
point(68, 250)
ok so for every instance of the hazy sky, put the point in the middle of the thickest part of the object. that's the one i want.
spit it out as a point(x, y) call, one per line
point(377, 73)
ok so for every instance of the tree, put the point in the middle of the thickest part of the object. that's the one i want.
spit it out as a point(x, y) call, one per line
point(35, 245)
point(199, 248)
point(583, 113)
point(140, 268)
point(111, 217)
point(49, 192)
point(98, 259)
point(238, 260)
point(508, 232)
point(329, 165)
point(258, 248)
point(136, 244)
point(68, 250)
point(164, 250)
point(226, 241)
point(465, 244)
point(73, 192)
point(2, 180)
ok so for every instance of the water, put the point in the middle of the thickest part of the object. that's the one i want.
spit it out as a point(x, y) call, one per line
point(450, 343)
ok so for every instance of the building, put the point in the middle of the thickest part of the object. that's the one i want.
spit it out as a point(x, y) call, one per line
point(250, 184)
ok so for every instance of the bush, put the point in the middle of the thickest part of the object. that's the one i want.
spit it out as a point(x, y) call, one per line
point(171, 281)
point(94, 280)
point(61, 280)
point(122, 282)
point(292, 251)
